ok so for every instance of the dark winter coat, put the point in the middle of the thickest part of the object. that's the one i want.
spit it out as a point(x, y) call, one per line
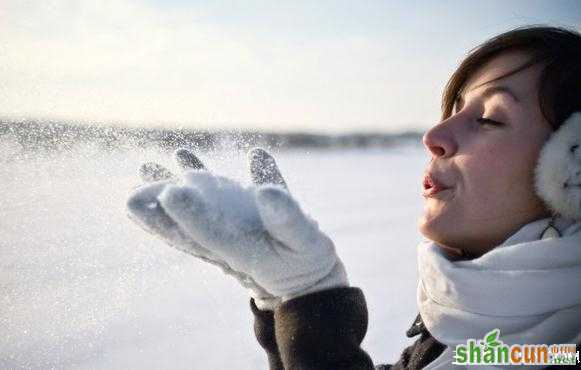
point(324, 330)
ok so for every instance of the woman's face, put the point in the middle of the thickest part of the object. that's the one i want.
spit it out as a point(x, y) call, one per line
point(487, 168)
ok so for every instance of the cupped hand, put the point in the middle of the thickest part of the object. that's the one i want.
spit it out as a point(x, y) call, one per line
point(258, 232)
point(145, 210)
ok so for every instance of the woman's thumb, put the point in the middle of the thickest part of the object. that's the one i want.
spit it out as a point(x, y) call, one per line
point(263, 168)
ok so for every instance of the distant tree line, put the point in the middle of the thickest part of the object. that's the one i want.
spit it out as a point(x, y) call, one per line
point(48, 135)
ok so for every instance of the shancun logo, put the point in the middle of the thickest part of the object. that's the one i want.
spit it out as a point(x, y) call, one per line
point(492, 351)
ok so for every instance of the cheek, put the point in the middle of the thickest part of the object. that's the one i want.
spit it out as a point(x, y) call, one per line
point(498, 179)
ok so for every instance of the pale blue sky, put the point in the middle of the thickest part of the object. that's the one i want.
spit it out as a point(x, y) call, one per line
point(322, 66)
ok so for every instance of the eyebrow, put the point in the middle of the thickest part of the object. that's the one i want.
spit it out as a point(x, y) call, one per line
point(491, 91)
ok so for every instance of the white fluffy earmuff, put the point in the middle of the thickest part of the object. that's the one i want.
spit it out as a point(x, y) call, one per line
point(558, 171)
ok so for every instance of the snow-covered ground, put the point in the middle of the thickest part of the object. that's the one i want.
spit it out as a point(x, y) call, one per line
point(81, 287)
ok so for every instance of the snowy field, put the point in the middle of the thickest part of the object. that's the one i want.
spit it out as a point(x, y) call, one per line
point(81, 287)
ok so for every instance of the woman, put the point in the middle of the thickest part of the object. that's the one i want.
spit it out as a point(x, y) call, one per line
point(503, 250)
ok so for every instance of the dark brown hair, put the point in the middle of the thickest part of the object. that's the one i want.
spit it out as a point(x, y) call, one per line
point(559, 49)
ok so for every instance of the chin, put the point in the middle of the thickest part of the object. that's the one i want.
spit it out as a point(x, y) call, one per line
point(456, 243)
point(431, 225)
point(437, 231)
point(451, 252)
point(428, 231)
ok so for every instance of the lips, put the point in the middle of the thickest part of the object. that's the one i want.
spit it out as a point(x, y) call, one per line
point(432, 185)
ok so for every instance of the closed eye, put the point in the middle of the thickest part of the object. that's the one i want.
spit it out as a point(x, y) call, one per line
point(488, 121)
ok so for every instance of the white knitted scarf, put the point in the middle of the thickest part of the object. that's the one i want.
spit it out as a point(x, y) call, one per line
point(528, 288)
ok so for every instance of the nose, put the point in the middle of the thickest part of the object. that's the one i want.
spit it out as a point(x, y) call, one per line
point(440, 141)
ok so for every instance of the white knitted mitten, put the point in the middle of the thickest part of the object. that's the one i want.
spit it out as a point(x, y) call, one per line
point(257, 230)
point(144, 210)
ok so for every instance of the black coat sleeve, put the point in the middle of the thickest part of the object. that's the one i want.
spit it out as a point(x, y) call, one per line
point(318, 331)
